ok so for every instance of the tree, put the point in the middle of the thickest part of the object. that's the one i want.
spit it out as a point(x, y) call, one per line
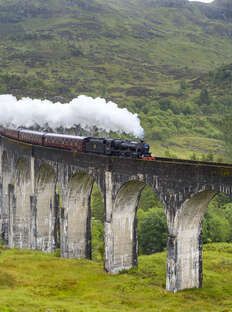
point(226, 128)
point(204, 97)
point(152, 231)
point(216, 228)
point(217, 224)
point(165, 104)
point(97, 204)
point(149, 199)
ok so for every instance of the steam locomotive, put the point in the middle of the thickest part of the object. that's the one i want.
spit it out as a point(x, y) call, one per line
point(103, 146)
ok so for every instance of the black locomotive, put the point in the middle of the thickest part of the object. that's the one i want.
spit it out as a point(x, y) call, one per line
point(103, 146)
point(116, 147)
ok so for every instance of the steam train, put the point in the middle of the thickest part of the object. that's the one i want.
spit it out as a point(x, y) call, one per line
point(103, 146)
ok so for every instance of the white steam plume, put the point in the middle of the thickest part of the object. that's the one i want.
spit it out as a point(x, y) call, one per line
point(84, 111)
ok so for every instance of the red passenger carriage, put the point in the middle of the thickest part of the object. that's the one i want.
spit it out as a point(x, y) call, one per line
point(70, 142)
point(33, 137)
point(11, 133)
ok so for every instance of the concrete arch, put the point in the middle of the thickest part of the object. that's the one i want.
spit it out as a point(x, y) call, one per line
point(43, 209)
point(123, 237)
point(190, 215)
point(185, 244)
point(76, 216)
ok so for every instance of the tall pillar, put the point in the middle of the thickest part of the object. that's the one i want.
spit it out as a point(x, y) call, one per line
point(7, 168)
point(11, 216)
point(121, 249)
point(76, 217)
point(184, 263)
point(44, 208)
point(109, 202)
point(33, 222)
point(33, 206)
point(23, 192)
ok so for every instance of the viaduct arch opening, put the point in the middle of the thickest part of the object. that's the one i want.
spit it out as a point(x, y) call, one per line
point(152, 223)
point(217, 221)
point(97, 224)
point(185, 252)
point(124, 225)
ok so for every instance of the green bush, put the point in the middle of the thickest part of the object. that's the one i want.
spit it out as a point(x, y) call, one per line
point(152, 231)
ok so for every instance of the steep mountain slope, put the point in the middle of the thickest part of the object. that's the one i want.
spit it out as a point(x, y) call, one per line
point(138, 53)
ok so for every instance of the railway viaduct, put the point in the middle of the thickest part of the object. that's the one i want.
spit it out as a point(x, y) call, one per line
point(45, 204)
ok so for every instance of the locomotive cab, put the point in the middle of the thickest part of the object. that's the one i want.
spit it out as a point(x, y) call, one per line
point(108, 146)
point(146, 149)
point(95, 145)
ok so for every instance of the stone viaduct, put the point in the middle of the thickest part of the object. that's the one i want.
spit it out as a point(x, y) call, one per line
point(45, 204)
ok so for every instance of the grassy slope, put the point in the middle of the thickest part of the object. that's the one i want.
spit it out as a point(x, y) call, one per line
point(33, 281)
point(127, 51)
point(185, 146)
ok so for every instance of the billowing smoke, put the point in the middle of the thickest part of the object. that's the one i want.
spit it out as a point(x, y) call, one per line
point(83, 111)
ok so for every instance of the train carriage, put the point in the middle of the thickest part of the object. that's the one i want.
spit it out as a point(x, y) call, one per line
point(2, 131)
point(11, 133)
point(70, 142)
point(32, 137)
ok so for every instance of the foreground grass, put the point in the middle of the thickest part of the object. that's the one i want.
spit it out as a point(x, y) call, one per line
point(33, 281)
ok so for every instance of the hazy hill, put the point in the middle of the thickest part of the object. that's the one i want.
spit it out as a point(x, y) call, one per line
point(152, 56)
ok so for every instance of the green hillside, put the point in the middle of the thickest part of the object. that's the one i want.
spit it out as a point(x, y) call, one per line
point(32, 281)
point(154, 57)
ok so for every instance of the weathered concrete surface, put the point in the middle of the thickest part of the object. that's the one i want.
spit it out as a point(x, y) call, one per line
point(22, 193)
point(45, 207)
point(185, 245)
point(77, 216)
point(121, 231)
point(8, 200)
point(45, 204)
